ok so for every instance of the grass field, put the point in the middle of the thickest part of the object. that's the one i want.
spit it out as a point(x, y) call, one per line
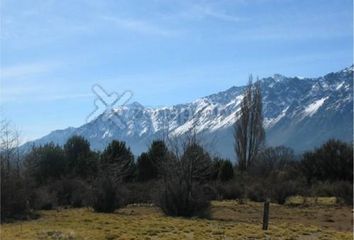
point(228, 220)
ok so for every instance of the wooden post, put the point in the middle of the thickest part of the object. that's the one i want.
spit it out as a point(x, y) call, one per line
point(266, 215)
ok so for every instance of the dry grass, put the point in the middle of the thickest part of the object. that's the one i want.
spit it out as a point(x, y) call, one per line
point(299, 200)
point(229, 220)
point(324, 215)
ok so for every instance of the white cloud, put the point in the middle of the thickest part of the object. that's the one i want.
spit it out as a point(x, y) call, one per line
point(30, 93)
point(25, 70)
point(140, 26)
point(209, 11)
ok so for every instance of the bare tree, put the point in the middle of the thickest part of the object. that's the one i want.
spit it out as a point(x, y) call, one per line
point(186, 169)
point(9, 146)
point(189, 152)
point(249, 133)
point(13, 199)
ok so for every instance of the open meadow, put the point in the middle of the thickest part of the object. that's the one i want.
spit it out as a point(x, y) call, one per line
point(227, 220)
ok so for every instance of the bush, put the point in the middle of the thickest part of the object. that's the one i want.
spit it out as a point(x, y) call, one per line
point(157, 155)
point(44, 199)
point(181, 192)
point(196, 160)
point(105, 196)
point(66, 192)
point(46, 163)
point(81, 160)
point(257, 192)
point(80, 197)
point(210, 192)
point(140, 192)
point(322, 189)
point(344, 191)
point(146, 169)
point(13, 196)
point(271, 160)
point(226, 171)
point(177, 198)
point(117, 161)
point(340, 189)
point(333, 161)
point(283, 190)
point(230, 190)
point(73, 192)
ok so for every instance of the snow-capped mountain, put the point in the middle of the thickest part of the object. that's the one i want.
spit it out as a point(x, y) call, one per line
point(298, 112)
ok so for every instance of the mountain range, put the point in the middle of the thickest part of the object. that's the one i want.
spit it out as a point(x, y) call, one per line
point(300, 113)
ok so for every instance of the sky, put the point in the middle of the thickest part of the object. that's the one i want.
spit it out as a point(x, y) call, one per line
point(164, 52)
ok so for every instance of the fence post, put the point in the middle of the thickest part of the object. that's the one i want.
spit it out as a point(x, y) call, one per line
point(266, 214)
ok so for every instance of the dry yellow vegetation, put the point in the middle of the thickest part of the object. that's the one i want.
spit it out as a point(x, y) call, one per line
point(229, 220)
point(299, 200)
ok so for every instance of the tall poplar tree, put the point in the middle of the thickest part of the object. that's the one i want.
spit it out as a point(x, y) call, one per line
point(249, 134)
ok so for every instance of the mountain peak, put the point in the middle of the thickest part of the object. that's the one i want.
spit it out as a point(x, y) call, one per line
point(348, 69)
point(278, 77)
point(135, 104)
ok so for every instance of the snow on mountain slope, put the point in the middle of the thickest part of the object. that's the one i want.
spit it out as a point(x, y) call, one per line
point(298, 112)
point(313, 107)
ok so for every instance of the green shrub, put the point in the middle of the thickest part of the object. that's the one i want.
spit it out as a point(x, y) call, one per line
point(333, 161)
point(105, 196)
point(226, 171)
point(178, 198)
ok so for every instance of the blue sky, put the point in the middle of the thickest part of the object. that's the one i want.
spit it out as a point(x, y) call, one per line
point(165, 52)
